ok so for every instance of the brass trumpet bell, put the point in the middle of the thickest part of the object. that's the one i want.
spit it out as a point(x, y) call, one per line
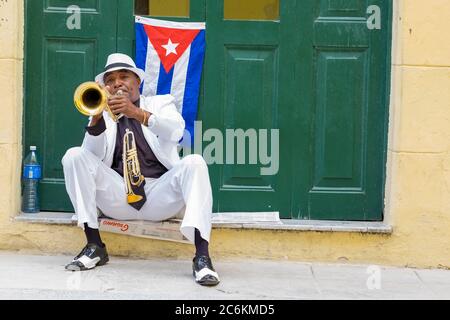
point(91, 99)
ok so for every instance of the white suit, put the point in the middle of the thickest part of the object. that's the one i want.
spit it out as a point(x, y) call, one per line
point(91, 183)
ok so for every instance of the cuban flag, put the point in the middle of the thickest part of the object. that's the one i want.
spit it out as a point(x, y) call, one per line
point(172, 54)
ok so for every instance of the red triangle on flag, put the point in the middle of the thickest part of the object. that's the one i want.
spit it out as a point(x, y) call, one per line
point(170, 43)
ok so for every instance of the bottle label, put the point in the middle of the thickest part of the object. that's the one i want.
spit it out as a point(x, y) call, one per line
point(32, 171)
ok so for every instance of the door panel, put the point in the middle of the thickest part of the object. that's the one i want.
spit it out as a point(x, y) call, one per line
point(339, 120)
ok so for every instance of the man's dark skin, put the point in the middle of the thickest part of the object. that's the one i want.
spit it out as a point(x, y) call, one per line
point(129, 83)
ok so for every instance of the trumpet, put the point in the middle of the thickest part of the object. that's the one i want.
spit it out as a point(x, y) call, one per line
point(131, 169)
point(91, 99)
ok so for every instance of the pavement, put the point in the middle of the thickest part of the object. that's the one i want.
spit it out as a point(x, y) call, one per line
point(33, 277)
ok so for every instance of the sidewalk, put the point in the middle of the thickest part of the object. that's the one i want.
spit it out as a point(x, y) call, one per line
point(44, 277)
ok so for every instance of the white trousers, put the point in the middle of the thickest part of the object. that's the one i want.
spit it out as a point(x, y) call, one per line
point(91, 184)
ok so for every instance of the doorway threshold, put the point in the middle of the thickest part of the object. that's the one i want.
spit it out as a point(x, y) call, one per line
point(266, 222)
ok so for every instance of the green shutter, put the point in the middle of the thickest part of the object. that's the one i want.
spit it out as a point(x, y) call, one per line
point(344, 173)
point(57, 60)
point(247, 79)
point(320, 76)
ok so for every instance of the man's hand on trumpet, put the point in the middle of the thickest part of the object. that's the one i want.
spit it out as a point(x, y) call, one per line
point(123, 87)
point(121, 103)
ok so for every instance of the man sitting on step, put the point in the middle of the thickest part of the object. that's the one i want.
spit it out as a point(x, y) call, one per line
point(97, 174)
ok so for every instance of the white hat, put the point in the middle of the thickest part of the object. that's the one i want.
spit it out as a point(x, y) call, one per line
point(119, 61)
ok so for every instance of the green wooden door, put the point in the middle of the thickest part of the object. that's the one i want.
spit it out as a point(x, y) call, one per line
point(342, 112)
point(248, 86)
point(61, 53)
point(314, 71)
point(318, 74)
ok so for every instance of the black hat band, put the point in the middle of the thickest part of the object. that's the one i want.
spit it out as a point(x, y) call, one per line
point(119, 64)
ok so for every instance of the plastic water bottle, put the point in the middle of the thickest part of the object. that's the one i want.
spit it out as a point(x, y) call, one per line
point(31, 177)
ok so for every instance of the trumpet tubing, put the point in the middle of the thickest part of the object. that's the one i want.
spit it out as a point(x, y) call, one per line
point(131, 169)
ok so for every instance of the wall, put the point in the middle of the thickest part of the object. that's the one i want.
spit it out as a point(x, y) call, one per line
point(11, 93)
point(418, 167)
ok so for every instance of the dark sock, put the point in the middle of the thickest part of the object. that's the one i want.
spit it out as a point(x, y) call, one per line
point(201, 245)
point(93, 236)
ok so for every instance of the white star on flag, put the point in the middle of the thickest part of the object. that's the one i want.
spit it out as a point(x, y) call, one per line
point(170, 47)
